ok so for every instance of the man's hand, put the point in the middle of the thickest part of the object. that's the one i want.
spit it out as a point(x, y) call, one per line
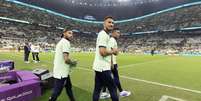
point(73, 63)
point(104, 52)
point(115, 51)
point(68, 61)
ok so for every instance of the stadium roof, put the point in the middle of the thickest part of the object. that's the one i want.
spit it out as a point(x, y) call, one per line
point(97, 9)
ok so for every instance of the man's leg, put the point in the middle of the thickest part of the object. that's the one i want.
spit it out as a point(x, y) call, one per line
point(110, 84)
point(33, 56)
point(28, 56)
point(58, 86)
point(98, 86)
point(37, 58)
point(25, 57)
point(116, 77)
point(68, 87)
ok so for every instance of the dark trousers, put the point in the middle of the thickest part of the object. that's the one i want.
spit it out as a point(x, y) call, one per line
point(116, 78)
point(26, 56)
point(59, 85)
point(35, 56)
point(104, 79)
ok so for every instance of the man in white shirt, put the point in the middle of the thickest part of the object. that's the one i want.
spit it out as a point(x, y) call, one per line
point(102, 62)
point(113, 45)
point(62, 67)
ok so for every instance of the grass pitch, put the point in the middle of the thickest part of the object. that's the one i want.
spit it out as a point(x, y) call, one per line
point(149, 78)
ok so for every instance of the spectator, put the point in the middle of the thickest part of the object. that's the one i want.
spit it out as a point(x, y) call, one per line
point(26, 53)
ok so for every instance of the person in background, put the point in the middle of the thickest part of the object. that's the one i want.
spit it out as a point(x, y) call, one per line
point(26, 52)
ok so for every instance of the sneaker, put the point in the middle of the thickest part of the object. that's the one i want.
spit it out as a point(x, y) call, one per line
point(104, 95)
point(26, 62)
point(125, 93)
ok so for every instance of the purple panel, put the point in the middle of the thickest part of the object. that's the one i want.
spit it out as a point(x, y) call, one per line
point(11, 75)
point(7, 63)
point(23, 91)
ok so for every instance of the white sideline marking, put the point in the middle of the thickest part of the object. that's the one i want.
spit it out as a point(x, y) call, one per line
point(145, 81)
point(165, 98)
point(160, 84)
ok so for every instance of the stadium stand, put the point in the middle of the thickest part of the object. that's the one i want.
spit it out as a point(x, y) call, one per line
point(43, 29)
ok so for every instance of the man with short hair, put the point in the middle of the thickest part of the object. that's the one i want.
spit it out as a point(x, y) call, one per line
point(62, 67)
point(113, 45)
point(102, 62)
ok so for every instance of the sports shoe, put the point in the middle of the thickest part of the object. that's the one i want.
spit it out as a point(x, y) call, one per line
point(26, 62)
point(104, 95)
point(124, 93)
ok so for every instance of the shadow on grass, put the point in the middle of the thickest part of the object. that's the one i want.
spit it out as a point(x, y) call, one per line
point(80, 95)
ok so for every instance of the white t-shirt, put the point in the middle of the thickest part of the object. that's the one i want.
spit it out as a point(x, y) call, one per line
point(32, 48)
point(102, 63)
point(35, 49)
point(61, 69)
point(113, 44)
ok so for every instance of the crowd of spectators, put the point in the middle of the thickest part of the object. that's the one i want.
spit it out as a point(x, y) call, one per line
point(15, 34)
point(162, 42)
point(175, 19)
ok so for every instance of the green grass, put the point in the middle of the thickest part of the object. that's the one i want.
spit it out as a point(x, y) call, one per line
point(171, 70)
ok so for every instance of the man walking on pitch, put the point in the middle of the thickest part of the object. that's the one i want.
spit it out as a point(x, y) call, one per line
point(62, 67)
point(113, 45)
point(102, 62)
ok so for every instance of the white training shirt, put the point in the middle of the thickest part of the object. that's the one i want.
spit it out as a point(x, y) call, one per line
point(113, 44)
point(35, 49)
point(102, 63)
point(32, 48)
point(61, 69)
